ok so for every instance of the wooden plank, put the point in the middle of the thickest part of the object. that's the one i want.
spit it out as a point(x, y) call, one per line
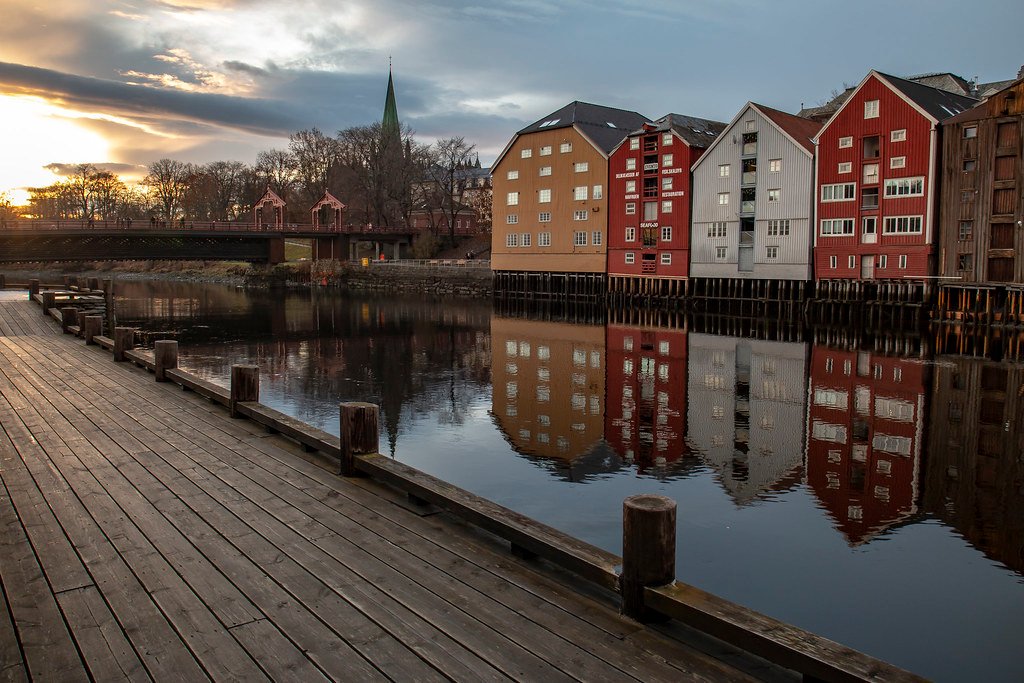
point(203, 387)
point(305, 434)
point(279, 658)
point(105, 648)
point(144, 359)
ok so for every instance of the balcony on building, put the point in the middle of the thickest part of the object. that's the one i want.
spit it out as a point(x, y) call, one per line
point(748, 199)
point(749, 144)
point(651, 187)
point(650, 163)
point(871, 147)
point(749, 176)
point(869, 198)
point(870, 175)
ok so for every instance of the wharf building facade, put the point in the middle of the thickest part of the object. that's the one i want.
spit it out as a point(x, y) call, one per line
point(649, 205)
point(982, 211)
point(550, 211)
point(877, 190)
point(753, 208)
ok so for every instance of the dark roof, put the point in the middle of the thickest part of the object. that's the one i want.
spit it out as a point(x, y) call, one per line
point(988, 89)
point(606, 126)
point(800, 129)
point(947, 81)
point(938, 103)
point(695, 131)
point(473, 172)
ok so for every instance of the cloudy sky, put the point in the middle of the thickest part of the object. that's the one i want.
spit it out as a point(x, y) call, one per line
point(121, 83)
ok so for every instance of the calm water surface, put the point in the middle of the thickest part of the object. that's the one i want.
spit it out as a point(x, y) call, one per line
point(874, 498)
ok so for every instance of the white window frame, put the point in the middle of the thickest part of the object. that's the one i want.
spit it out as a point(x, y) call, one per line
point(512, 219)
point(598, 192)
point(666, 206)
point(579, 193)
point(723, 198)
point(666, 259)
point(838, 192)
point(897, 162)
point(903, 262)
point(851, 262)
point(597, 238)
point(630, 187)
point(579, 238)
point(544, 196)
point(666, 233)
point(525, 239)
point(543, 239)
point(724, 170)
point(565, 147)
point(544, 171)
point(666, 139)
point(526, 153)
point(631, 234)
point(836, 227)
point(581, 167)
point(631, 164)
point(775, 165)
point(718, 229)
point(883, 261)
point(580, 215)
point(512, 240)
point(845, 167)
point(630, 208)
point(630, 258)
point(667, 160)
point(904, 187)
point(544, 217)
point(545, 151)
point(845, 142)
point(512, 199)
point(833, 263)
point(771, 251)
point(774, 195)
point(898, 135)
point(634, 143)
point(871, 109)
point(778, 227)
point(721, 253)
point(512, 175)
point(666, 183)
point(903, 225)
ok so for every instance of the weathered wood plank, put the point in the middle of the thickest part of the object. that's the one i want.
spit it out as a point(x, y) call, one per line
point(105, 648)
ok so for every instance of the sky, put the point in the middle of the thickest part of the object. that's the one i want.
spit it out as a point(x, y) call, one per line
point(122, 83)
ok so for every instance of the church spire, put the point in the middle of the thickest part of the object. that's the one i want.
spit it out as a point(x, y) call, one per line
point(390, 120)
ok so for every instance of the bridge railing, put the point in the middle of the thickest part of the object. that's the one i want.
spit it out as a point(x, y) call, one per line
point(133, 225)
point(483, 264)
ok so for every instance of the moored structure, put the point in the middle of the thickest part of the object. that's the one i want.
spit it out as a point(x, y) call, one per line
point(753, 207)
point(550, 206)
point(649, 207)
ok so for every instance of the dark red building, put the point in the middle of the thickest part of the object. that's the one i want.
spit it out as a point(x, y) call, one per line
point(865, 426)
point(649, 203)
point(877, 180)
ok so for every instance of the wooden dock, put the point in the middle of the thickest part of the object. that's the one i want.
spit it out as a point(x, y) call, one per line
point(146, 535)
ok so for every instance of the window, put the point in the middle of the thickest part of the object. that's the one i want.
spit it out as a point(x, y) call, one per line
point(898, 135)
point(596, 238)
point(846, 167)
point(581, 166)
point(837, 226)
point(970, 164)
point(717, 229)
point(631, 164)
point(650, 211)
point(840, 192)
point(512, 175)
point(723, 198)
point(666, 259)
point(512, 219)
point(667, 160)
point(965, 262)
point(631, 234)
point(904, 187)
point(903, 261)
point(870, 174)
point(579, 193)
point(774, 195)
point(666, 233)
point(720, 253)
point(778, 228)
point(832, 262)
point(543, 239)
point(970, 132)
point(630, 208)
point(544, 217)
point(634, 143)
point(526, 153)
point(512, 199)
point(666, 138)
point(871, 109)
point(851, 262)
point(666, 206)
point(748, 125)
point(544, 196)
point(723, 171)
point(966, 230)
point(775, 165)
point(898, 162)
point(565, 147)
point(524, 239)
point(545, 151)
point(580, 239)
point(630, 186)
point(845, 142)
point(579, 215)
point(771, 252)
point(512, 240)
point(883, 261)
point(630, 258)
point(598, 192)
point(545, 170)
point(666, 183)
point(907, 225)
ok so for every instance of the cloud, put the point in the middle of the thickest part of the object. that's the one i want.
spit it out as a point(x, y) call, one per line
point(65, 170)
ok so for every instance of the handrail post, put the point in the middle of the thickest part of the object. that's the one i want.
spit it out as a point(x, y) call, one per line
point(68, 316)
point(124, 340)
point(48, 301)
point(165, 356)
point(80, 315)
point(359, 433)
point(648, 550)
point(93, 328)
point(33, 288)
point(245, 386)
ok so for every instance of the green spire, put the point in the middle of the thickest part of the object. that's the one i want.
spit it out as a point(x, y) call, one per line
point(390, 121)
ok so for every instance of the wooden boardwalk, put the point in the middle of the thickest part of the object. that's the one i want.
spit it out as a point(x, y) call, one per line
point(148, 536)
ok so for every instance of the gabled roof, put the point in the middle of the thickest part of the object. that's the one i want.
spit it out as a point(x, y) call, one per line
point(801, 130)
point(940, 104)
point(694, 131)
point(984, 109)
point(989, 89)
point(947, 81)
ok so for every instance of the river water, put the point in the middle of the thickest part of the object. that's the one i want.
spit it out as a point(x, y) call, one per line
point(873, 495)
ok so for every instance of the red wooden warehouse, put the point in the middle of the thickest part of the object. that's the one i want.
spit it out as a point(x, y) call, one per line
point(877, 181)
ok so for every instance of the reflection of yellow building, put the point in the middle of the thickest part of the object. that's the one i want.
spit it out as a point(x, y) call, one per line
point(548, 381)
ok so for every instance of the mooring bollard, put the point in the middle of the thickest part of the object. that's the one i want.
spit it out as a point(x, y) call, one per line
point(80, 317)
point(165, 353)
point(94, 283)
point(48, 301)
point(93, 328)
point(245, 386)
point(648, 550)
point(68, 317)
point(359, 435)
point(33, 288)
point(124, 340)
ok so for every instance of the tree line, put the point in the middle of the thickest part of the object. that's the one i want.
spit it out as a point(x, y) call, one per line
point(382, 176)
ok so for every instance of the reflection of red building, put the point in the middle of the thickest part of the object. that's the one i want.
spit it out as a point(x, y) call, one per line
point(645, 420)
point(865, 422)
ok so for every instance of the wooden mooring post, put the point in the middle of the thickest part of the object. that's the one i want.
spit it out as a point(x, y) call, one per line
point(33, 287)
point(359, 433)
point(648, 551)
point(3, 280)
point(165, 357)
point(245, 387)
point(68, 317)
point(48, 301)
point(93, 328)
point(124, 340)
point(94, 283)
point(108, 296)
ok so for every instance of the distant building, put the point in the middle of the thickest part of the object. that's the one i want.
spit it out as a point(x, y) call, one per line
point(550, 209)
point(753, 199)
point(982, 209)
point(877, 181)
point(435, 220)
point(649, 202)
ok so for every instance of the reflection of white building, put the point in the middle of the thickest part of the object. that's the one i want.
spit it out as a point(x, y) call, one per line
point(747, 410)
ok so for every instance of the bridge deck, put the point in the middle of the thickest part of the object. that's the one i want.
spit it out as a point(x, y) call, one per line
point(146, 535)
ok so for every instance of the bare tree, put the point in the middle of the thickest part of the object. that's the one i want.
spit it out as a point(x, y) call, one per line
point(315, 156)
point(167, 181)
point(448, 172)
